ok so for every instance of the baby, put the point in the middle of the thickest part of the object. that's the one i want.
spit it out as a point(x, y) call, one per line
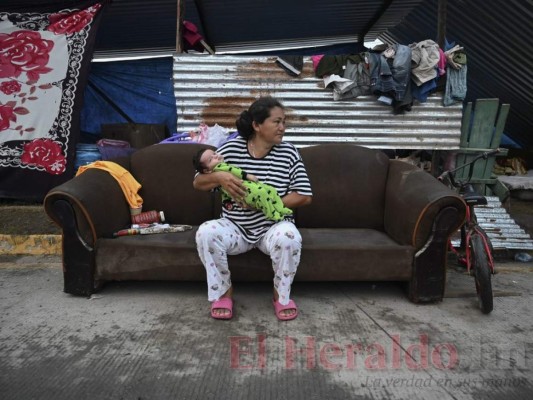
point(259, 195)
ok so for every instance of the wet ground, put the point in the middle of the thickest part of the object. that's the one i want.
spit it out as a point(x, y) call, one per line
point(360, 340)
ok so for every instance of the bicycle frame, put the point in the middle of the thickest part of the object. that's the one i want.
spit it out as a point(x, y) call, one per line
point(470, 227)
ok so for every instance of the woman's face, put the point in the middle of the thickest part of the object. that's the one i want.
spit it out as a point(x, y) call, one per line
point(273, 128)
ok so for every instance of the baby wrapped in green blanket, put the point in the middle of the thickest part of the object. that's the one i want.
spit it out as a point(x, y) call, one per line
point(259, 195)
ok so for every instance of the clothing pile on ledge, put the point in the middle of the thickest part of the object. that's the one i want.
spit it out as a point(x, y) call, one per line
point(397, 74)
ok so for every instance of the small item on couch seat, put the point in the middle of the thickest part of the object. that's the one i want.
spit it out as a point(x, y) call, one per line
point(138, 226)
point(148, 217)
point(126, 232)
point(136, 210)
point(154, 228)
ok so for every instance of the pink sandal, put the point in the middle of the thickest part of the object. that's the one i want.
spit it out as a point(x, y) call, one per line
point(225, 303)
point(278, 308)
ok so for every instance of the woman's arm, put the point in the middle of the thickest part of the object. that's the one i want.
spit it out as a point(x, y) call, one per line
point(294, 199)
point(230, 183)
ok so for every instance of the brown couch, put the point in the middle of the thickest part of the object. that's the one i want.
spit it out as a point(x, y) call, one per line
point(372, 219)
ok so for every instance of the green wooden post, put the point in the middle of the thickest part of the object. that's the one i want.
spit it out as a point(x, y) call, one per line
point(479, 133)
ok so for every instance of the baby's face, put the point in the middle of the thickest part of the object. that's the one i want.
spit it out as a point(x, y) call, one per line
point(210, 159)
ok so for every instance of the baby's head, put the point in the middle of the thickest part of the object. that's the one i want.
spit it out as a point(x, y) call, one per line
point(205, 160)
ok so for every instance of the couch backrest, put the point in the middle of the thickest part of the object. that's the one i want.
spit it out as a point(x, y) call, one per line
point(166, 173)
point(348, 183)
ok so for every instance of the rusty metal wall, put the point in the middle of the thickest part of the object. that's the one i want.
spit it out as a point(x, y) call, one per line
point(215, 89)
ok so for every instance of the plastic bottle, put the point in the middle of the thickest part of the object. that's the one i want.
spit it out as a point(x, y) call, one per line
point(148, 217)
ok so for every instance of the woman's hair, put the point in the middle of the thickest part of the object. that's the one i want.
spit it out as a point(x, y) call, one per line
point(258, 112)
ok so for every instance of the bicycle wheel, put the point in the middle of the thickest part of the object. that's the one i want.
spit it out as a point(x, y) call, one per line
point(482, 232)
point(482, 274)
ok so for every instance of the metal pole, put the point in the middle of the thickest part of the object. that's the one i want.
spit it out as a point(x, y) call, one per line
point(179, 25)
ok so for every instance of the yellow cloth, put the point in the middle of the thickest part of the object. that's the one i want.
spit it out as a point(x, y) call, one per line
point(127, 182)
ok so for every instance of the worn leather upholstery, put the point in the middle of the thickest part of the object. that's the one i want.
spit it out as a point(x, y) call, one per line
point(371, 219)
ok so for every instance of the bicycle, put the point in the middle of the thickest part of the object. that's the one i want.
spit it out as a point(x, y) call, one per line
point(476, 245)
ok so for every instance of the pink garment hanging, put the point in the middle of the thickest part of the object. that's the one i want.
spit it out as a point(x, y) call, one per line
point(316, 59)
point(441, 65)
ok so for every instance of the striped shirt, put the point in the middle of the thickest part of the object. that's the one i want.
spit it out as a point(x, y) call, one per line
point(281, 168)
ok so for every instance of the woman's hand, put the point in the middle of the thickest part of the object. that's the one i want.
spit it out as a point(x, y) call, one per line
point(233, 186)
point(294, 199)
point(226, 180)
point(251, 177)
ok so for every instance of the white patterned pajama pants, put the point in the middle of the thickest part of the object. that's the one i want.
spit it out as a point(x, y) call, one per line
point(218, 238)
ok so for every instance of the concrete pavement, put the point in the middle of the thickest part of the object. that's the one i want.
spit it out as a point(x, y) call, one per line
point(365, 340)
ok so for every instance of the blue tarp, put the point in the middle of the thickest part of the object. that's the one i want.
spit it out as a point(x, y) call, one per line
point(141, 88)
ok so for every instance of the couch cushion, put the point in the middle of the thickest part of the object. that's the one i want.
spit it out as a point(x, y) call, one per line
point(328, 255)
point(165, 172)
point(348, 184)
point(353, 254)
point(149, 257)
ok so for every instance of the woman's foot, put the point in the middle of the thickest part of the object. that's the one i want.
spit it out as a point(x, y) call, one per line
point(223, 307)
point(284, 313)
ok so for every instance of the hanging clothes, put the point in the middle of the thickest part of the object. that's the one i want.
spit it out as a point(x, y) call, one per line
point(335, 65)
point(390, 76)
point(293, 65)
point(455, 85)
point(359, 77)
point(456, 71)
point(425, 57)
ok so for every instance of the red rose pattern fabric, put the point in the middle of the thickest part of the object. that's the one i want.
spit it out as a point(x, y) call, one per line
point(40, 58)
point(24, 51)
point(68, 23)
point(44, 153)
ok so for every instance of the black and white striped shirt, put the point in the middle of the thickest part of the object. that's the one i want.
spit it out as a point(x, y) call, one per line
point(281, 168)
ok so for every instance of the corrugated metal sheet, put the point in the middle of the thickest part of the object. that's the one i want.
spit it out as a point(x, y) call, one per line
point(391, 17)
point(216, 89)
point(239, 24)
point(503, 231)
point(497, 38)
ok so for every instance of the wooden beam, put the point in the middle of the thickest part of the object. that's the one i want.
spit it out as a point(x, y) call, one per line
point(179, 25)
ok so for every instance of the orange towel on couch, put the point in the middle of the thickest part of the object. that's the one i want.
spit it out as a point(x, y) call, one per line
point(127, 182)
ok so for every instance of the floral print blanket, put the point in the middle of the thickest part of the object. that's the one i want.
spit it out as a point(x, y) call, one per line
point(44, 60)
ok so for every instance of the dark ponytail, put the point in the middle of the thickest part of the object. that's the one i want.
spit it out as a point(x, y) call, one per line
point(244, 124)
point(258, 112)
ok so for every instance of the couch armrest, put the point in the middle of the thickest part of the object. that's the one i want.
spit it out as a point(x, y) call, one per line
point(97, 206)
point(413, 200)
